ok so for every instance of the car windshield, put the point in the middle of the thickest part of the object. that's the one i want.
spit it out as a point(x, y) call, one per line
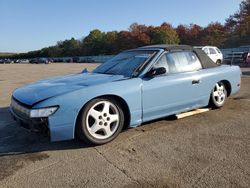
point(127, 63)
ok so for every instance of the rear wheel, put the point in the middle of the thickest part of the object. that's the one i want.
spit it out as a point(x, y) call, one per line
point(218, 95)
point(100, 121)
point(218, 62)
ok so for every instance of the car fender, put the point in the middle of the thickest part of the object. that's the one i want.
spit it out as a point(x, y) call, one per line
point(62, 123)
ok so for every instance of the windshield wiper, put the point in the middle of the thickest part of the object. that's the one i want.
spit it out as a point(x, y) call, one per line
point(104, 73)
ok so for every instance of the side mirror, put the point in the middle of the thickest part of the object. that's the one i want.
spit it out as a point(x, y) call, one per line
point(157, 71)
point(85, 70)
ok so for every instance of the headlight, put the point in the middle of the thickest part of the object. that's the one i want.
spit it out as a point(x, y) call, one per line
point(43, 112)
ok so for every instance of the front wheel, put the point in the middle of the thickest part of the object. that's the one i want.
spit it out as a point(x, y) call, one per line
point(218, 95)
point(100, 121)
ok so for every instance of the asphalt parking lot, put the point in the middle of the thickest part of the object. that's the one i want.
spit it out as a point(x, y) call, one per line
point(211, 149)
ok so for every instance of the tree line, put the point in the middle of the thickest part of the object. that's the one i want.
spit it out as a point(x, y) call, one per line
point(235, 32)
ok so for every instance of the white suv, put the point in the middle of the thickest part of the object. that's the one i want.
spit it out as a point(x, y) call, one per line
point(214, 53)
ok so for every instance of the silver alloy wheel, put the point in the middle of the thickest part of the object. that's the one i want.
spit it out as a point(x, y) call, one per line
point(102, 120)
point(219, 93)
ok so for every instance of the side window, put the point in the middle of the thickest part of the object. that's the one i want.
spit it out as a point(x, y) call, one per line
point(218, 50)
point(212, 51)
point(162, 62)
point(182, 62)
point(206, 50)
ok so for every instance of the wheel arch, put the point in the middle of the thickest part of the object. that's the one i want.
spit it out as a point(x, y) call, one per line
point(219, 61)
point(119, 99)
point(228, 86)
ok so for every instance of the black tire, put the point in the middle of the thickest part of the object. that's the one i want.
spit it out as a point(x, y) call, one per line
point(213, 103)
point(218, 62)
point(82, 131)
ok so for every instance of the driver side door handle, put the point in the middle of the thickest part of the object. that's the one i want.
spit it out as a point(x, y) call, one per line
point(194, 82)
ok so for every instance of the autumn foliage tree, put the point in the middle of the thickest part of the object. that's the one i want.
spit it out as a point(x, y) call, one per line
point(238, 25)
point(191, 34)
point(139, 34)
point(164, 34)
point(214, 34)
point(93, 44)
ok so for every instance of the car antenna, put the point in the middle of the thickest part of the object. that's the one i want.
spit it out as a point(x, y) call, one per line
point(232, 58)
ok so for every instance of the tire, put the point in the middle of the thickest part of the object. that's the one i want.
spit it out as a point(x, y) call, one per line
point(218, 62)
point(101, 120)
point(218, 95)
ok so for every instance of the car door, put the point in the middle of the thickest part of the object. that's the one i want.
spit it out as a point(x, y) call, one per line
point(175, 91)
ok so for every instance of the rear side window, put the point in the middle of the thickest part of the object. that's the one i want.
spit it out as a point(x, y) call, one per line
point(218, 50)
point(176, 62)
point(212, 51)
point(183, 62)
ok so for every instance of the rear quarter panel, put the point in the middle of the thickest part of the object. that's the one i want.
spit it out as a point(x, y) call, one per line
point(209, 77)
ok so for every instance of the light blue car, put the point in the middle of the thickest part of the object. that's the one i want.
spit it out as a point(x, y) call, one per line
point(136, 86)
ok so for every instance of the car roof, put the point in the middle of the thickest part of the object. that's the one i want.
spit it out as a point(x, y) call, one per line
point(204, 59)
point(168, 47)
point(206, 47)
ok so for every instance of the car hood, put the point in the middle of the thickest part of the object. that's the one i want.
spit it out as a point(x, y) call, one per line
point(42, 90)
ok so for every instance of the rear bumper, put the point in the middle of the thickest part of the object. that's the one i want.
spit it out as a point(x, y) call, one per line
point(33, 124)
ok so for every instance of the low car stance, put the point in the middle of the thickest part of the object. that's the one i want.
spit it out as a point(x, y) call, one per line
point(136, 86)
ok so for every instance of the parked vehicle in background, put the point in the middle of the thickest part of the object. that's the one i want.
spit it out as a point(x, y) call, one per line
point(76, 59)
point(41, 60)
point(6, 61)
point(16, 60)
point(22, 61)
point(213, 52)
point(88, 60)
point(44, 60)
point(34, 61)
point(69, 60)
point(50, 60)
point(246, 57)
point(58, 60)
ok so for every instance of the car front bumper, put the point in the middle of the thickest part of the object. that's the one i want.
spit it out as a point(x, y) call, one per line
point(39, 125)
point(56, 127)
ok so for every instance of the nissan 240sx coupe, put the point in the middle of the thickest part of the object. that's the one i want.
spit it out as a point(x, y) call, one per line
point(135, 86)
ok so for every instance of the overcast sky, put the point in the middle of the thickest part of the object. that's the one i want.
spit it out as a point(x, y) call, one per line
point(27, 25)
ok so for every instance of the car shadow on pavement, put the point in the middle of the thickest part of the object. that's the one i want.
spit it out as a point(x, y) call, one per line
point(15, 140)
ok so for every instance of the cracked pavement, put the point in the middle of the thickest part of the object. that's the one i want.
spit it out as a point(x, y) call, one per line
point(211, 149)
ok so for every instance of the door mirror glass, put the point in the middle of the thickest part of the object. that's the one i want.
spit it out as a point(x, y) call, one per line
point(156, 71)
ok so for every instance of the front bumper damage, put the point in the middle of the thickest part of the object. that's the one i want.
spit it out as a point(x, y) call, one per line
point(55, 128)
point(38, 125)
